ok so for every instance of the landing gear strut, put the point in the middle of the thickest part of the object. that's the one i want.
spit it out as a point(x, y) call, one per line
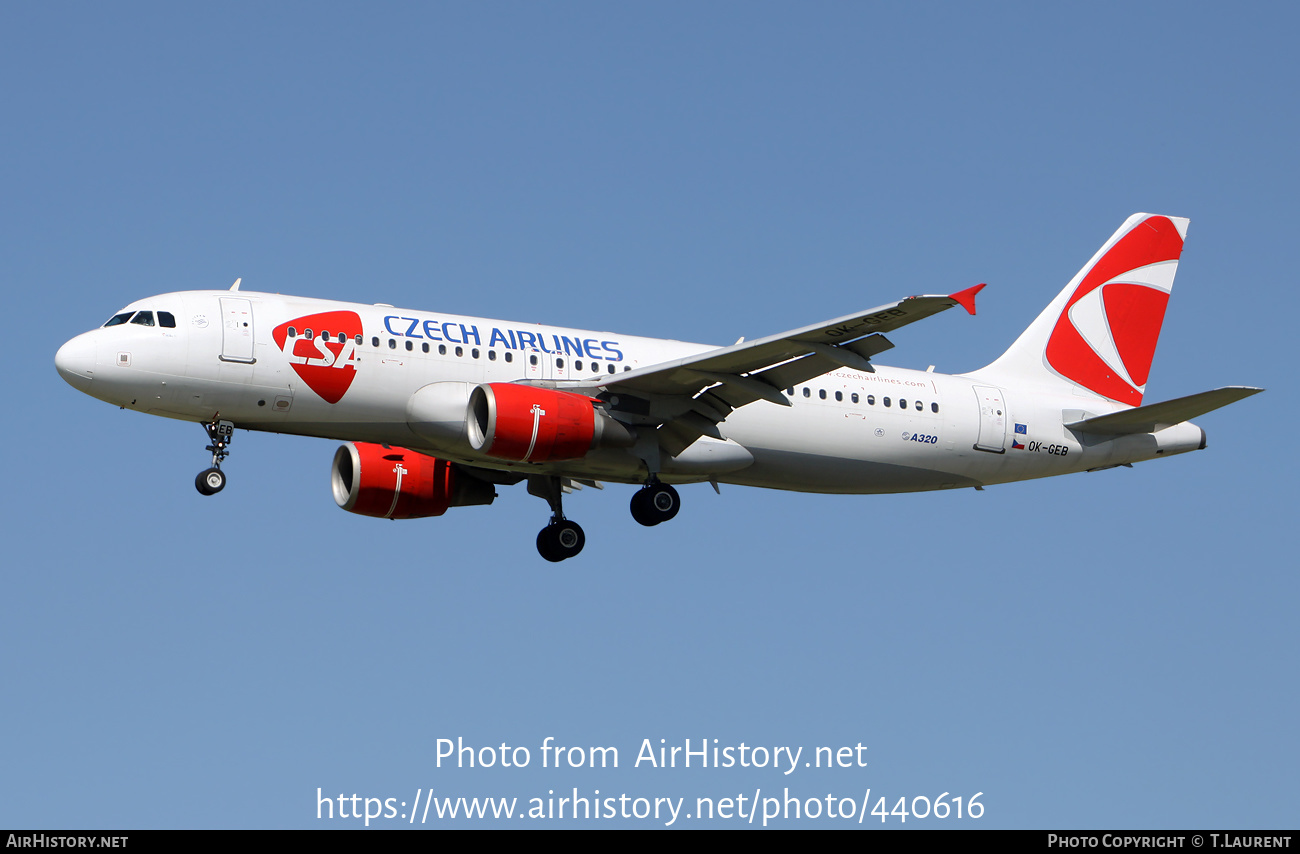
point(561, 539)
point(654, 503)
point(213, 480)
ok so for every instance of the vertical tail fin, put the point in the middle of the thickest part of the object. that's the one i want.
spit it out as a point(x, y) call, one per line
point(1100, 333)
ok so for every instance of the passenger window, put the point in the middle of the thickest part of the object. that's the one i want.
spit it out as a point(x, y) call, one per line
point(293, 333)
point(166, 320)
point(839, 395)
point(855, 397)
point(392, 344)
point(492, 355)
point(424, 348)
point(143, 318)
point(306, 333)
point(627, 367)
point(902, 404)
point(611, 369)
point(460, 351)
point(919, 407)
point(934, 407)
point(807, 392)
point(442, 349)
point(577, 366)
point(410, 345)
point(474, 352)
point(119, 319)
point(532, 360)
point(871, 400)
point(886, 401)
point(510, 357)
point(559, 363)
point(821, 392)
point(359, 340)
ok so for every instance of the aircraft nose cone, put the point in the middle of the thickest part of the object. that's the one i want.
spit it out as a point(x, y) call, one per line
point(75, 361)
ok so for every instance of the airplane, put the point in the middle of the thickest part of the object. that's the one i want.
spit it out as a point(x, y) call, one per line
point(438, 410)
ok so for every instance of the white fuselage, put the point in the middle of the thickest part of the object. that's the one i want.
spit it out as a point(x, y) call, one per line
point(848, 431)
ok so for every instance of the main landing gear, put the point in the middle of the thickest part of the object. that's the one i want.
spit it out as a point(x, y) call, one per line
point(654, 503)
point(213, 480)
point(561, 539)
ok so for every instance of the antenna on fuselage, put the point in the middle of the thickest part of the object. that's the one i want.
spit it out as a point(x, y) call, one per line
point(235, 286)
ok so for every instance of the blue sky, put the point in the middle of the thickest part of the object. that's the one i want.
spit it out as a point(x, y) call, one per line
point(1101, 650)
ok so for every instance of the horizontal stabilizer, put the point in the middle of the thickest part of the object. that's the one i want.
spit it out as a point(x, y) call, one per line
point(1158, 416)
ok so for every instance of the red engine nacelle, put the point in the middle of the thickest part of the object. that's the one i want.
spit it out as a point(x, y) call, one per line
point(394, 483)
point(525, 423)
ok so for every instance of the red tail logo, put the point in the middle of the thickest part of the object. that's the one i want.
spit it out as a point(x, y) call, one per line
point(1106, 336)
point(322, 350)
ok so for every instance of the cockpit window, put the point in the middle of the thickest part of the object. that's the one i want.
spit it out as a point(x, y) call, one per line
point(143, 318)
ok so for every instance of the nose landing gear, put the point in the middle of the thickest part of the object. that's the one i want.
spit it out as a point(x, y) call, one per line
point(213, 480)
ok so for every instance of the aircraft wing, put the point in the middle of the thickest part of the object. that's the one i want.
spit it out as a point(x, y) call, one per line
point(706, 387)
point(779, 360)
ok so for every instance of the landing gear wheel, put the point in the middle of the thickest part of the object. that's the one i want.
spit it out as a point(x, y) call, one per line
point(655, 503)
point(560, 540)
point(210, 482)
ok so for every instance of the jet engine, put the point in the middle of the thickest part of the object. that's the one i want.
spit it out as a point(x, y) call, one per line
point(508, 421)
point(394, 483)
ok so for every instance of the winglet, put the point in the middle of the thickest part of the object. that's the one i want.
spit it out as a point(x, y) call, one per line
point(966, 298)
point(235, 286)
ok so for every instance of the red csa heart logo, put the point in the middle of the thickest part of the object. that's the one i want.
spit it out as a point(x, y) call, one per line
point(322, 348)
